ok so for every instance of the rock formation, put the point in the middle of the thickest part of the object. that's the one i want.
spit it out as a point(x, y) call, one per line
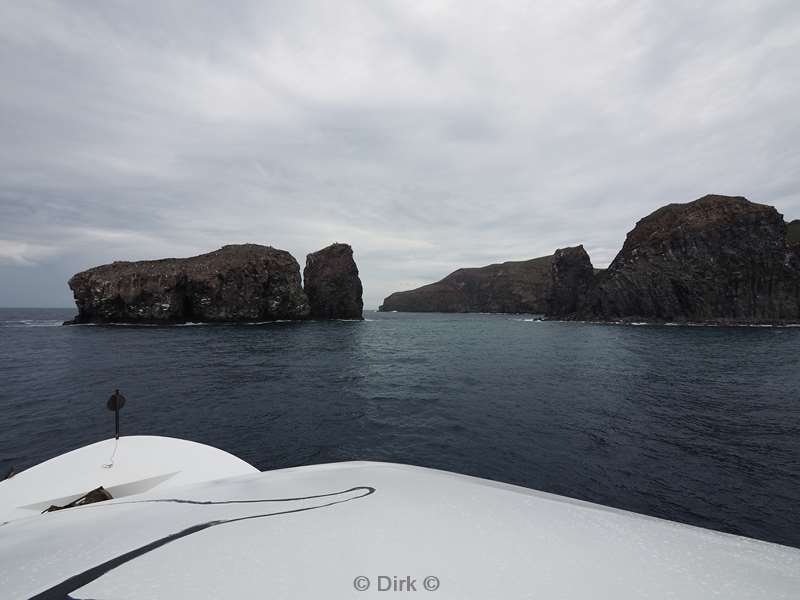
point(235, 283)
point(572, 277)
point(332, 284)
point(719, 258)
point(793, 232)
point(510, 287)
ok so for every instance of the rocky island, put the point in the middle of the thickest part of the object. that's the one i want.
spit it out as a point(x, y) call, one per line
point(512, 287)
point(332, 284)
point(718, 259)
point(237, 283)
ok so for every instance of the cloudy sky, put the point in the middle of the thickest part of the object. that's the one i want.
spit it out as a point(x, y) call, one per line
point(429, 135)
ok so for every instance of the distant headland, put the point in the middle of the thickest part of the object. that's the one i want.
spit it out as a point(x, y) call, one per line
point(237, 283)
point(718, 259)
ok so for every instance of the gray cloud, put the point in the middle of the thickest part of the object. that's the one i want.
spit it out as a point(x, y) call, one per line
point(430, 136)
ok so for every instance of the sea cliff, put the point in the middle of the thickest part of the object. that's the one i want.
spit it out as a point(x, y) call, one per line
point(720, 259)
point(332, 285)
point(237, 283)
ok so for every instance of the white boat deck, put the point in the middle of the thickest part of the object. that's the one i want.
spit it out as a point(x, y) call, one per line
point(325, 531)
point(137, 464)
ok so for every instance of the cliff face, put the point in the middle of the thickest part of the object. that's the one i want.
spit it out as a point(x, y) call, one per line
point(512, 287)
point(717, 258)
point(332, 284)
point(235, 283)
point(793, 232)
point(572, 277)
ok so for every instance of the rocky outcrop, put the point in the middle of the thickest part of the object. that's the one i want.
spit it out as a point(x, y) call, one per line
point(235, 283)
point(572, 277)
point(332, 285)
point(510, 287)
point(719, 258)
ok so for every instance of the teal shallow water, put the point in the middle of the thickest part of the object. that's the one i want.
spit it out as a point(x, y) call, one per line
point(695, 424)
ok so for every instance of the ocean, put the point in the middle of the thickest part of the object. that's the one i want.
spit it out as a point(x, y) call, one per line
point(695, 424)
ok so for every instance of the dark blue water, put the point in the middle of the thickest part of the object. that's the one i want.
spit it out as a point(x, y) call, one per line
point(695, 424)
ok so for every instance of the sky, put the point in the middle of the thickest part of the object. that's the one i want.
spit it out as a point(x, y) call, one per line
point(428, 135)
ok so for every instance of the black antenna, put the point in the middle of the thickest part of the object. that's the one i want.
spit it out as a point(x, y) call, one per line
point(115, 403)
